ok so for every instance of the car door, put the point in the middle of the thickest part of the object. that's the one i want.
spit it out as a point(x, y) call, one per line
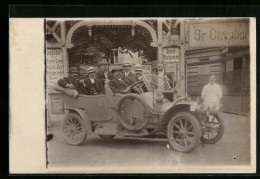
point(96, 108)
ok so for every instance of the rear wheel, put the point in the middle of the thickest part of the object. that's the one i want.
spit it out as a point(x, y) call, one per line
point(183, 132)
point(214, 130)
point(106, 136)
point(73, 129)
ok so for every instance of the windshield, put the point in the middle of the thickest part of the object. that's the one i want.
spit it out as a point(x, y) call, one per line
point(154, 82)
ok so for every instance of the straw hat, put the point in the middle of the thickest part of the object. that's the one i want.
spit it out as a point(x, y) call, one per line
point(91, 70)
point(74, 70)
point(103, 61)
point(138, 67)
point(117, 68)
point(126, 64)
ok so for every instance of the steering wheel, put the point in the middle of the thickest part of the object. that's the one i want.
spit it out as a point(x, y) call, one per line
point(137, 87)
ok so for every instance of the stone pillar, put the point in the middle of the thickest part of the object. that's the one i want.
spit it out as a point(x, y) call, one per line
point(159, 29)
point(64, 48)
point(182, 55)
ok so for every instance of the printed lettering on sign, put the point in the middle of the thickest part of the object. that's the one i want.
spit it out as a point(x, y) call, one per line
point(218, 34)
point(54, 65)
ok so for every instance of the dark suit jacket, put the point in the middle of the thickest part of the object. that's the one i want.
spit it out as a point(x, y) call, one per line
point(118, 86)
point(95, 87)
point(170, 77)
point(130, 78)
point(101, 76)
point(70, 80)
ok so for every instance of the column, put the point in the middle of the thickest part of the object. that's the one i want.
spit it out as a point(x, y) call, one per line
point(182, 63)
point(159, 29)
point(64, 48)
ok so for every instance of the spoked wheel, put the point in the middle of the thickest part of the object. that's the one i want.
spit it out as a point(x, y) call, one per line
point(183, 132)
point(73, 129)
point(106, 136)
point(133, 112)
point(214, 129)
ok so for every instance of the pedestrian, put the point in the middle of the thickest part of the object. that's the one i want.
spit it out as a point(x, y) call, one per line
point(93, 85)
point(118, 84)
point(104, 74)
point(127, 74)
point(72, 81)
point(211, 93)
point(162, 74)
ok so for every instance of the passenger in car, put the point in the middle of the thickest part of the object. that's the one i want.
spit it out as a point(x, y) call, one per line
point(138, 72)
point(118, 84)
point(72, 81)
point(127, 75)
point(93, 85)
point(104, 73)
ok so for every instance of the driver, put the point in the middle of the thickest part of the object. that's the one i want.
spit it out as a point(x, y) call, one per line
point(138, 72)
point(117, 84)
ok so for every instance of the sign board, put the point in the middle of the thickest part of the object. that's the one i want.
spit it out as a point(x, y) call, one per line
point(54, 65)
point(171, 58)
point(57, 105)
point(170, 67)
point(171, 54)
point(218, 34)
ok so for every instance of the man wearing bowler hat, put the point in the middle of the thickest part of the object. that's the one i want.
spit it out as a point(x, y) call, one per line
point(104, 73)
point(72, 82)
point(93, 85)
point(127, 74)
point(118, 84)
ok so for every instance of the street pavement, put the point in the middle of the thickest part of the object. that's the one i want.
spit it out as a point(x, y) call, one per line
point(232, 150)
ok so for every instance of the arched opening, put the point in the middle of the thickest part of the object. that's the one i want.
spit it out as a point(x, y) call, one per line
point(90, 43)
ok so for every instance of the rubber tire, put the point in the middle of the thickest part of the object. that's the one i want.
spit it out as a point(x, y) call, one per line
point(220, 134)
point(106, 136)
point(126, 125)
point(194, 122)
point(67, 117)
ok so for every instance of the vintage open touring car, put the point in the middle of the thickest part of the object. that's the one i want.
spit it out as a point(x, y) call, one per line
point(146, 111)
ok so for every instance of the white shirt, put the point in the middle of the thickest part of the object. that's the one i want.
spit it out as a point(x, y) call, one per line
point(92, 80)
point(160, 80)
point(105, 73)
point(126, 74)
point(211, 93)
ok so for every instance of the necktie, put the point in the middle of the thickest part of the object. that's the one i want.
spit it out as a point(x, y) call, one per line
point(92, 80)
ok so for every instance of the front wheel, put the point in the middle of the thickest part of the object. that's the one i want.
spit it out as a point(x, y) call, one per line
point(183, 132)
point(214, 130)
point(73, 129)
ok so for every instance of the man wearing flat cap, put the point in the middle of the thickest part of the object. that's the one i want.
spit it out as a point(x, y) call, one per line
point(93, 85)
point(118, 84)
point(104, 73)
point(127, 74)
point(72, 82)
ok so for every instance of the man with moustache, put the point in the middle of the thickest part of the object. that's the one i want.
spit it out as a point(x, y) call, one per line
point(104, 73)
point(162, 74)
point(72, 81)
point(93, 85)
point(118, 84)
point(127, 74)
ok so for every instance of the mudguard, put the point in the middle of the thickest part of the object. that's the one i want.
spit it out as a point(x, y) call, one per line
point(84, 117)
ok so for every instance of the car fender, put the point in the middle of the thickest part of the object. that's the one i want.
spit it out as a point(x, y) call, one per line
point(183, 107)
point(84, 117)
